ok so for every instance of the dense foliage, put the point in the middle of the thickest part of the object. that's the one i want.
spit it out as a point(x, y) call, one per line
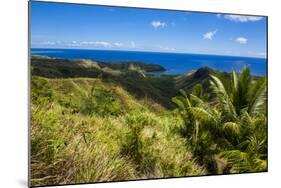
point(228, 133)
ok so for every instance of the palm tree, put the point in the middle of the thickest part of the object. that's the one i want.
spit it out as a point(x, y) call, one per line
point(242, 101)
point(232, 127)
point(250, 155)
point(200, 126)
point(195, 112)
point(240, 93)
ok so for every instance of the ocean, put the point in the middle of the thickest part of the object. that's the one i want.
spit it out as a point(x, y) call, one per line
point(175, 63)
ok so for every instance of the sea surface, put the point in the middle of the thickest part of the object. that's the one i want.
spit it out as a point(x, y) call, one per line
point(175, 63)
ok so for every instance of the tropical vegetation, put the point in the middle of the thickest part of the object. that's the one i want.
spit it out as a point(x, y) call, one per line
point(97, 122)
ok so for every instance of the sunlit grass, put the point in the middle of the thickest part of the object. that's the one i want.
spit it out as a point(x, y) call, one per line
point(70, 146)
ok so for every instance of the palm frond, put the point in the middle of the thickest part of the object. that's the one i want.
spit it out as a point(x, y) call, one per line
point(234, 80)
point(258, 100)
point(240, 96)
point(237, 160)
point(222, 96)
point(202, 114)
point(196, 101)
point(260, 165)
point(180, 102)
point(183, 93)
point(231, 128)
point(255, 145)
point(197, 90)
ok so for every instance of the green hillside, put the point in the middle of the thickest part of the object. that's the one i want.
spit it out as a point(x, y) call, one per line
point(81, 134)
point(95, 122)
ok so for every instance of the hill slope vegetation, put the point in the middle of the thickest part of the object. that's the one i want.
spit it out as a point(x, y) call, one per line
point(95, 121)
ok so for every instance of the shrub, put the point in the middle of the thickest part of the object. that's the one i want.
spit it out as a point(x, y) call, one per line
point(41, 89)
point(101, 101)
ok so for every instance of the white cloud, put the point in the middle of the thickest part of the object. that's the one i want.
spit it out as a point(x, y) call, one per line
point(87, 43)
point(257, 54)
point(133, 45)
point(102, 43)
point(241, 40)
point(48, 43)
point(166, 48)
point(239, 18)
point(218, 15)
point(261, 54)
point(60, 43)
point(158, 24)
point(118, 44)
point(69, 43)
point(209, 35)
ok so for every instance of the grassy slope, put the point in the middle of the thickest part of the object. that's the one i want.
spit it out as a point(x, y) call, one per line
point(73, 145)
point(115, 123)
point(132, 76)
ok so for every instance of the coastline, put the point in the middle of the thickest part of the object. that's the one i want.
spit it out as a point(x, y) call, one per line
point(173, 63)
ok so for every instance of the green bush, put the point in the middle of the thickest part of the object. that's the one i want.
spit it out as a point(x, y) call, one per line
point(101, 101)
point(41, 89)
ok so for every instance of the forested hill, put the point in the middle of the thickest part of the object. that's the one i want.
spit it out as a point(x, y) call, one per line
point(135, 77)
point(58, 68)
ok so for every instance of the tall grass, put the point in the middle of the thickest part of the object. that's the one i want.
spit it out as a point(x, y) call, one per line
point(71, 145)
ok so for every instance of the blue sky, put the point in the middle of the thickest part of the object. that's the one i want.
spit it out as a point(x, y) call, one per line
point(55, 25)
